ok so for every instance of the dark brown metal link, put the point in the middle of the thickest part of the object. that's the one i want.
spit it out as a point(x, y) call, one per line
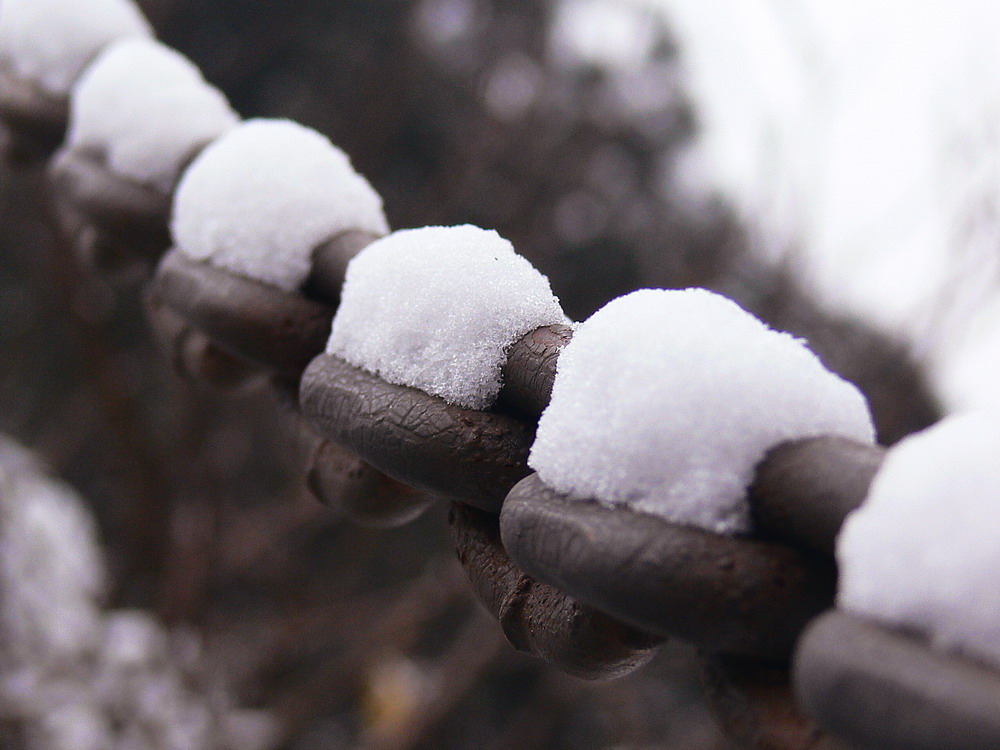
point(467, 455)
point(236, 325)
point(340, 479)
point(882, 689)
point(192, 353)
point(130, 212)
point(329, 264)
point(278, 331)
point(804, 489)
point(530, 369)
point(34, 121)
point(725, 594)
point(537, 618)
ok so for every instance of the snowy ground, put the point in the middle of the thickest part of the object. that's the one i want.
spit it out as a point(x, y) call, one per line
point(861, 142)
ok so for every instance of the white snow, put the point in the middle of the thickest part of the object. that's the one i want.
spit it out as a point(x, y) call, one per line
point(75, 676)
point(148, 108)
point(605, 33)
point(922, 552)
point(436, 309)
point(49, 42)
point(260, 199)
point(859, 142)
point(665, 401)
point(51, 572)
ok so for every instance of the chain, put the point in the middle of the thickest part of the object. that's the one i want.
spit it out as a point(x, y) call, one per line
point(590, 589)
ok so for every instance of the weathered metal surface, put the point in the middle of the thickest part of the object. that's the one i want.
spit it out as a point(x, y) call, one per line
point(725, 594)
point(114, 224)
point(880, 688)
point(192, 353)
point(126, 209)
point(537, 618)
point(275, 330)
point(530, 369)
point(804, 489)
point(329, 264)
point(343, 481)
point(421, 440)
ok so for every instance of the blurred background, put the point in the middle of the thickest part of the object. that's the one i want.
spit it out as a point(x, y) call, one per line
point(766, 149)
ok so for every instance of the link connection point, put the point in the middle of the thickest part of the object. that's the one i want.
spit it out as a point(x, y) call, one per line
point(329, 265)
point(192, 353)
point(537, 618)
point(418, 439)
point(726, 595)
point(279, 332)
point(344, 482)
point(112, 222)
point(805, 489)
point(530, 369)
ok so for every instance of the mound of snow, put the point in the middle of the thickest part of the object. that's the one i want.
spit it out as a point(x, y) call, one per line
point(50, 42)
point(436, 309)
point(260, 199)
point(148, 109)
point(922, 552)
point(665, 401)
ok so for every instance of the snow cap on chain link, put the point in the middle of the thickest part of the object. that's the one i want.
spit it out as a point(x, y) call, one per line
point(49, 42)
point(665, 401)
point(923, 552)
point(436, 308)
point(148, 109)
point(260, 199)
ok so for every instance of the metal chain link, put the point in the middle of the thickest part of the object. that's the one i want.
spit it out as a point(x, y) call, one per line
point(590, 589)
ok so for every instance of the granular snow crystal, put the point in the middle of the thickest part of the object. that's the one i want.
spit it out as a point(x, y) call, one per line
point(148, 109)
point(49, 42)
point(436, 309)
point(260, 199)
point(665, 401)
point(923, 552)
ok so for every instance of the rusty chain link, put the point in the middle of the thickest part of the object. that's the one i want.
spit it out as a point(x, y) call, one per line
point(590, 589)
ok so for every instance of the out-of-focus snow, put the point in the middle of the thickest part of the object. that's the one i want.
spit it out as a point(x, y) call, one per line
point(49, 42)
point(51, 573)
point(922, 552)
point(436, 309)
point(148, 108)
point(605, 33)
point(75, 676)
point(859, 141)
point(260, 199)
point(665, 401)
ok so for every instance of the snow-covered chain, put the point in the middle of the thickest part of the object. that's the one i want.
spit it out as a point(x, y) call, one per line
point(692, 463)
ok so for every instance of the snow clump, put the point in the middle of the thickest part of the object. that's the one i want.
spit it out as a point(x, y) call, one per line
point(49, 42)
point(148, 109)
point(436, 309)
point(665, 401)
point(262, 197)
point(922, 552)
